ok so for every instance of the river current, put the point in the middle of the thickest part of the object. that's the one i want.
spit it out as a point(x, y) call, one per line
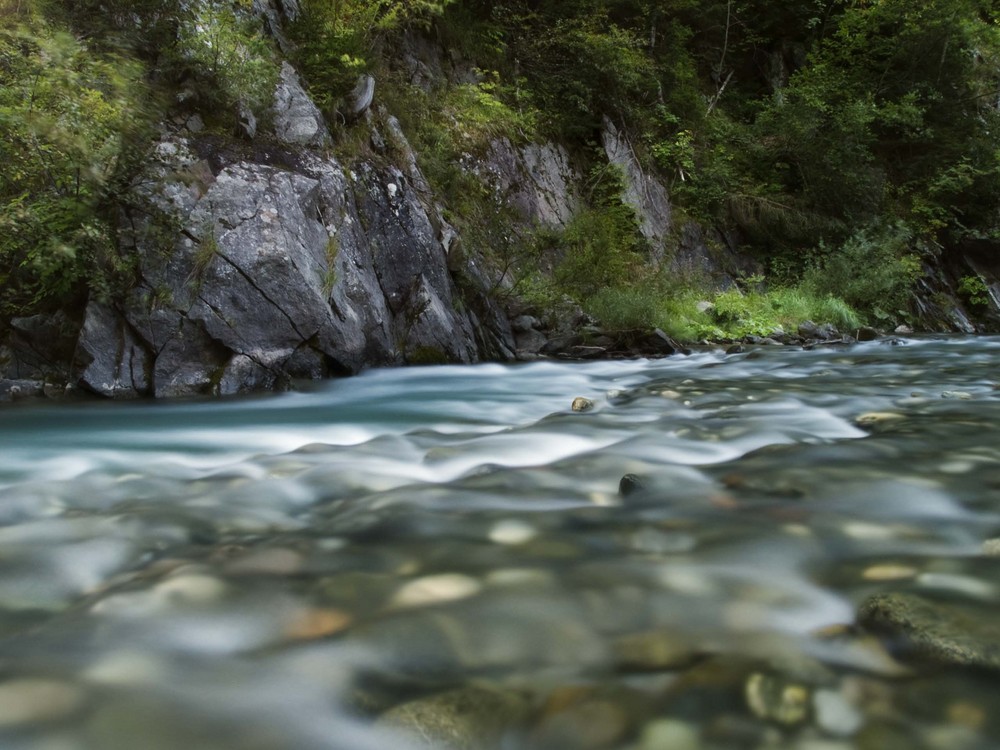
point(448, 558)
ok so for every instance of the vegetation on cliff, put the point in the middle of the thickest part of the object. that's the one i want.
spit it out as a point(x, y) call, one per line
point(845, 143)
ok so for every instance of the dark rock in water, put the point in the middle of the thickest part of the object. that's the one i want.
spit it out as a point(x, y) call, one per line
point(586, 352)
point(807, 329)
point(867, 333)
point(827, 331)
point(657, 342)
point(525, 323)
point(467, 718)
point(111, 360)
point(630, 484)
point(562, 344)
point(530, 342)
point(940, 631)
point(583, 722)
point(776, 698)
point(14, 390)
point(736, 349)
point(654, 650)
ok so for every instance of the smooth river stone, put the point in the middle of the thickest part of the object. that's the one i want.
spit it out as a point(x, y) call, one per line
point(30, 701)
point(944, 632)
point(468, 718)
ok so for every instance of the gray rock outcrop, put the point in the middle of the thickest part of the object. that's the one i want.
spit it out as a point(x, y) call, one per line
point(255, 271)
point(643, 192)
point(297, 119)
point(536, 180)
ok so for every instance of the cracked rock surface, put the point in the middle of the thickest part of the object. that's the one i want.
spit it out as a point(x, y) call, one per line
point(256, 271)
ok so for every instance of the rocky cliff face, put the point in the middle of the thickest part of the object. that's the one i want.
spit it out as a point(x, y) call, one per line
point(267, 261)
point(271, 263)
point(263, 259)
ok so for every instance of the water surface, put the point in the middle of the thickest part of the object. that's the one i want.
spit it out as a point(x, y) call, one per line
point(301, 570)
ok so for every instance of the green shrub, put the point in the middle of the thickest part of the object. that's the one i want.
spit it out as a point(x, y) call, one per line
point(65, 112)
point(974, 290)
point(336, 41)
point(873, 272)
point(225, 48)
point(625, 308)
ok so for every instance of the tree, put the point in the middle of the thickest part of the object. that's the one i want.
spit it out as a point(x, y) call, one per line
point(64, 112)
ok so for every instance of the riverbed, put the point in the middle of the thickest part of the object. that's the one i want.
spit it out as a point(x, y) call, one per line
point(722, 551)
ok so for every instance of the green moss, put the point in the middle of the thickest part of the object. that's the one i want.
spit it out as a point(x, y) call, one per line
point(330, 275)
point(427, 355)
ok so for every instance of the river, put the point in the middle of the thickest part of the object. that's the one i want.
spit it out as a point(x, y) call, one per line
point(450, 553)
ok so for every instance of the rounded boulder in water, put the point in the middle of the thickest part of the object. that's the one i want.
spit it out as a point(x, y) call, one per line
point(631, 484)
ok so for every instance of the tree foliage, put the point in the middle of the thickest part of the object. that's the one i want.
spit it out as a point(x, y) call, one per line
point(64, 112)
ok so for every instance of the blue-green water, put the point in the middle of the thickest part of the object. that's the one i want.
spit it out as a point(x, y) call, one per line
point(293, 571)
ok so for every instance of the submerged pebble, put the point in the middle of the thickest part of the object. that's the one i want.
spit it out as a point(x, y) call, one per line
point(468, 718)
point(436, 589)
point(33, 700)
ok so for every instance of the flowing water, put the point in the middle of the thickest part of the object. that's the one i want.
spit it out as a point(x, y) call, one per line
point(445, 553)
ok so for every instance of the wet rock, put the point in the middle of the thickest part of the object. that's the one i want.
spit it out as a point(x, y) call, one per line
point(588, 725)
point(561, 344)
point(669, 733)
point(889, 572)
point(310, 624)
point(654, 650)
point(867, 333)
point(581, 404)
point(111, 359)
point(903, 330)
point(631, 484)
point(274, 561)
point(736, 349)
point(33, 700)
point(435, 589)
point(586, 352)
point(530, 341)
point(657, 342)
point(525, 323)
point(808, 330)
point(940, 631)
point(710, 688)
point(15, 390)
point(991, 547)
point(467, 718)
point(875, 418)
point(834, 714)
point(957, 395)
point(777, 698)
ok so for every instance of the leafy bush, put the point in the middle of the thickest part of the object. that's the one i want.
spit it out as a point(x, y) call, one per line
point(225, 48)
point(336, 41)
point(974, 290)
point(65, 112)
point(626, 308)
point(873, 271)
